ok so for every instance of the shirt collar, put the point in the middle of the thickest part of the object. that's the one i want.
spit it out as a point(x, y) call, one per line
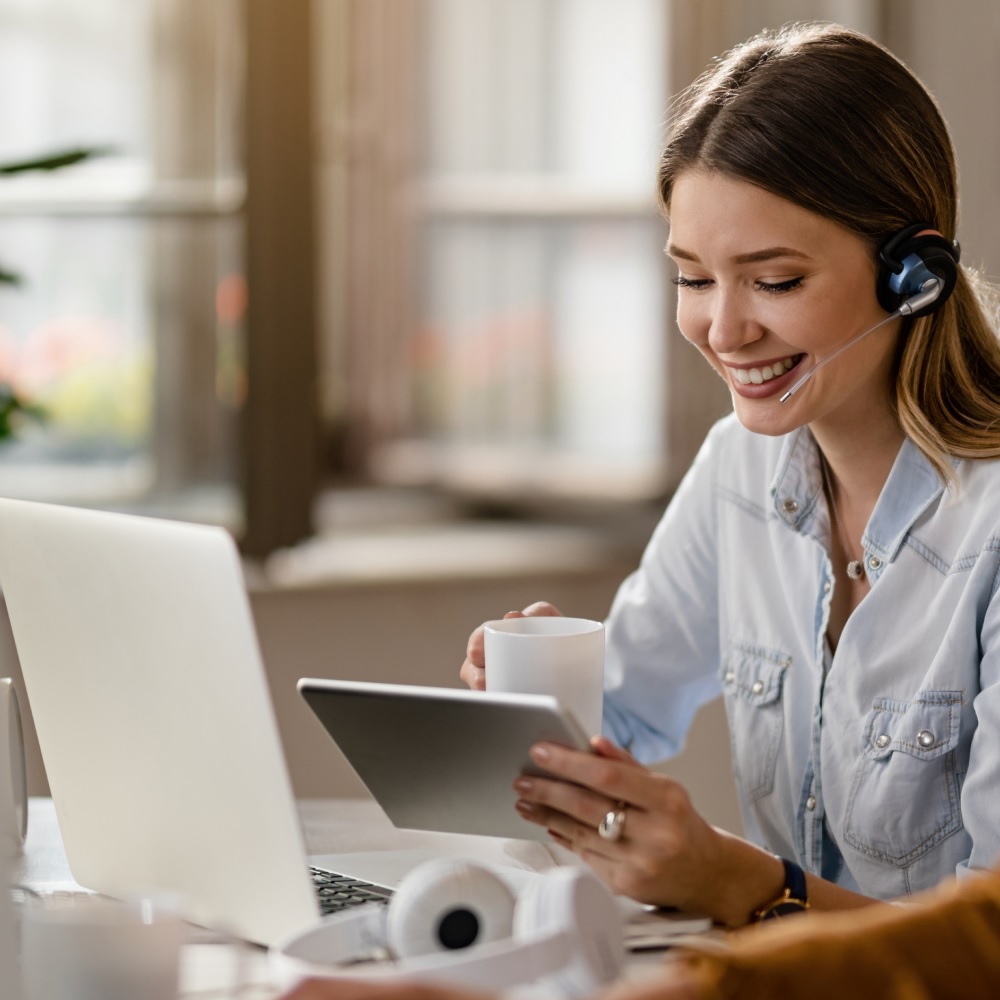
point(913, 485)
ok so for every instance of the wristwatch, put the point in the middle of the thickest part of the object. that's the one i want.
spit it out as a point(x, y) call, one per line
point(794, 899)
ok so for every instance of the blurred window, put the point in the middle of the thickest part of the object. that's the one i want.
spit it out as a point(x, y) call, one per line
point(542, 313)
point(126, 325)
point(499, 320)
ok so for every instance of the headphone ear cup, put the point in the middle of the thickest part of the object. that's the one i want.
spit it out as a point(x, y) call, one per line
point(575, 902)
point(445, 905)
point(910, 258)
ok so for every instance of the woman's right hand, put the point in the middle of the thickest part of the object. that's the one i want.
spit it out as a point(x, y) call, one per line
point(473, 671)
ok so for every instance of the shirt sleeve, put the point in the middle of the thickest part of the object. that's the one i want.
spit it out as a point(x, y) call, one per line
point(943, 944)
point(980, 801)
point(662, 632)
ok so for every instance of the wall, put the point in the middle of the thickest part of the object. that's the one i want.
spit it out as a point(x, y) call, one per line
point(955, 50)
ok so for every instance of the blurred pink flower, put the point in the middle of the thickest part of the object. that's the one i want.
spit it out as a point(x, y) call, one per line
point(60, 346)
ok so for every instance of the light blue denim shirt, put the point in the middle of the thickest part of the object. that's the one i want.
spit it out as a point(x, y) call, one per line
point(878, 768)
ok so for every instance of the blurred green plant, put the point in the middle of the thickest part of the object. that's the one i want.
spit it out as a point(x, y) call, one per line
point(13, 408)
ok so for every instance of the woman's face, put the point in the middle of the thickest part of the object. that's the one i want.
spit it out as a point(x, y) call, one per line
point(767, 289)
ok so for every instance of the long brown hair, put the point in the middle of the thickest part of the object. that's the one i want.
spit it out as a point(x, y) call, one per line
point(829, 119)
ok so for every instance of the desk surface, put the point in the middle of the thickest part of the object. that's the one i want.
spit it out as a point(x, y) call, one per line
point(328, 826)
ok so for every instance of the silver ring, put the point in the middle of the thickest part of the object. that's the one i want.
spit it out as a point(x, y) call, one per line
point(613, 825)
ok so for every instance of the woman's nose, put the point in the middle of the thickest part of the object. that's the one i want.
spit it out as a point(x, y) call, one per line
point(731, 325)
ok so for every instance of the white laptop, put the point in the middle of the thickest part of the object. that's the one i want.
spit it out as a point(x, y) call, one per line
point(145, 682)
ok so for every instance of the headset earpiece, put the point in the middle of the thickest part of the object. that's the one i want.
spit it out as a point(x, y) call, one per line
point(911, 258)
point(447, 905)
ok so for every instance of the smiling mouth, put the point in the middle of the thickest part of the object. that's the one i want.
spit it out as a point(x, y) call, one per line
point(758, 376)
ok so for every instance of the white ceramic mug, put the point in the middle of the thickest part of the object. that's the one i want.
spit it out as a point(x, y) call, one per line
point(92, 948)
point(558, 656)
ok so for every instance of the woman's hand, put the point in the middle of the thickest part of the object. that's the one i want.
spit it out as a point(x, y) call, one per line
point(666, 853)
point(473, 671)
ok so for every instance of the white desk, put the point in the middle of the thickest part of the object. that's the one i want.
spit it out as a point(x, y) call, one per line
point(328, 825)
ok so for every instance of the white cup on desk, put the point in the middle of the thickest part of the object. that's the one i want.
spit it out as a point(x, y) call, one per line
point(84, 947)
point(563, 657)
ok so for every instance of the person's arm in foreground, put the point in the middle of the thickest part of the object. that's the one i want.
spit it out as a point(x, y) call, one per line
point(944, 944)
point(328, 989)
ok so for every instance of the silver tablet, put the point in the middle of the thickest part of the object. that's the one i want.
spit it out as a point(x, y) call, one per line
point(442, 759)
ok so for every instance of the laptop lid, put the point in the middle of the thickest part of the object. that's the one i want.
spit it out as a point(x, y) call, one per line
point(144, 678)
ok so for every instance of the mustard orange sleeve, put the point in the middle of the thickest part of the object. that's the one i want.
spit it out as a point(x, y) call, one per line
point(943, 944)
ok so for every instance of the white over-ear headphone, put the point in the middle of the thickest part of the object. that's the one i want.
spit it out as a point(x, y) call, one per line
point(454, 922)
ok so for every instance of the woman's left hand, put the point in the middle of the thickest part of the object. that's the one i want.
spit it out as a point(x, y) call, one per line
point(665, 852)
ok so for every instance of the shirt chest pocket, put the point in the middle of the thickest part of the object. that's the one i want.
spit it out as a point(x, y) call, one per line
point(752, 680)
point(905, 795)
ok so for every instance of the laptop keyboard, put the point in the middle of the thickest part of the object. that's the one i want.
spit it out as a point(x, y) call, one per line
point(339, 892)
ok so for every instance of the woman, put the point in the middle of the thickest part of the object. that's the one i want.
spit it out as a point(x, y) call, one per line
point(832, 559)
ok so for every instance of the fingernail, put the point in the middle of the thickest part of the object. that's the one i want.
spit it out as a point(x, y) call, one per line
point(540, 753)
point(523, 784)
point(524, 808)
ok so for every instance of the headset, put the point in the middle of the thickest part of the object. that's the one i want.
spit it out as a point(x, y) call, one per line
point(454, 922)
point(909, 260)
point(917, 272)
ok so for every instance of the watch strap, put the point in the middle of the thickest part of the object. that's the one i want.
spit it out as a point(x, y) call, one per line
point(793, 899)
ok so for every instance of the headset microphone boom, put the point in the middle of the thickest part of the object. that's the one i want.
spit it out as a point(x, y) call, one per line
point(929, 292)
point(917, 272)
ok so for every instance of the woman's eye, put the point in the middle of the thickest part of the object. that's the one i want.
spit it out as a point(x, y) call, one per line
point(777, 287)
point(681, 282)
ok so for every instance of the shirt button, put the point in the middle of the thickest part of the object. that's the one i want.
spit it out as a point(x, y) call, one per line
point(758, 687)
point(790, 506)
point(811, 803)
point(874, 563)
point(925, 738)
point(730, 677)
point(883, 741)
point(827, 587)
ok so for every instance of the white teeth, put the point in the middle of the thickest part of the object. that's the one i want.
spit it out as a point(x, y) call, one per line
point(757, 376)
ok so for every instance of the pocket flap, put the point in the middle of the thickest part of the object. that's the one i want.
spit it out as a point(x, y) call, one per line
point(754, 674)
point(925, 728)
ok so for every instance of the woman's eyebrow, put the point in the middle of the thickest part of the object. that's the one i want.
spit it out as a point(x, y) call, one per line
point(754, 257)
